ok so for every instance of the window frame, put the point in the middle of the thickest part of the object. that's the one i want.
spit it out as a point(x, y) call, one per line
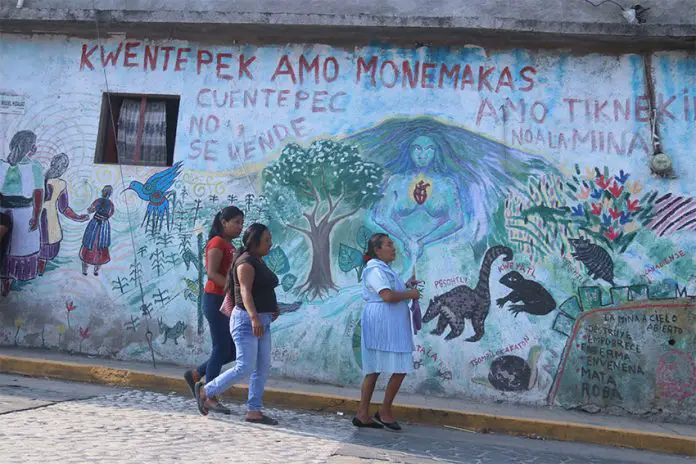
point(106, 152)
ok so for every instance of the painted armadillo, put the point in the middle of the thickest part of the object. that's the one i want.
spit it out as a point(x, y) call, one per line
point(595, 258)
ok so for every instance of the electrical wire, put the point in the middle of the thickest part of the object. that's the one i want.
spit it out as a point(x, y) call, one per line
point(146, 312)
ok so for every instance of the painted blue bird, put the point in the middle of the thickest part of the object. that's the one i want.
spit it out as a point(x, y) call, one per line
point(156, 192)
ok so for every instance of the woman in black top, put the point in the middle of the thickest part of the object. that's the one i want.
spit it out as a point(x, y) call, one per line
point(252, 284)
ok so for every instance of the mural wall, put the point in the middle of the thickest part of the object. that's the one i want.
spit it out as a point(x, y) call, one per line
point(516, 183)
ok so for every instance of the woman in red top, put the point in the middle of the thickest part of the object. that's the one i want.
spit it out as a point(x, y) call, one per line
point(219, 252)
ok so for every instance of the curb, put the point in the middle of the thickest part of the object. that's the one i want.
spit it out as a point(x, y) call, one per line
point(478, 422)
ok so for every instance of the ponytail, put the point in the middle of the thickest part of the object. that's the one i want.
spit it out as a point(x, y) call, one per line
point(226, 214)
point(216, 227)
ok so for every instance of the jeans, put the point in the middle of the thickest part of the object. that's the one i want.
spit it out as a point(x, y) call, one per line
point(253, 359)
point(223, 348)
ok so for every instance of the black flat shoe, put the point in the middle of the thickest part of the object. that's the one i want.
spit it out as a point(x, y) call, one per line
point(368, 425)
point(188, 376)
point(265, 420)
point(390, 425)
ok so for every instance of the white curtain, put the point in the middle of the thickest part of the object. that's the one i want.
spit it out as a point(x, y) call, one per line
point(153, 141)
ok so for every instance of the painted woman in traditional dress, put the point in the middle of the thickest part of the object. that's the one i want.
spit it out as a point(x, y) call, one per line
point(21, 185)
point(55, 201)
point(97, 238)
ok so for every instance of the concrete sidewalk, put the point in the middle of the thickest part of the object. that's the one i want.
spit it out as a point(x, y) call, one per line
point(548, 423)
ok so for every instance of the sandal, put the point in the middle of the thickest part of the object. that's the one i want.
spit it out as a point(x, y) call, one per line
point(265, 420)
point(216, 406)
point(368, 425)
point(389, 425)
point(199, 399)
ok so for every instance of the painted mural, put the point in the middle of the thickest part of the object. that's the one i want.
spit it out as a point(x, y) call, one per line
point(558, 269)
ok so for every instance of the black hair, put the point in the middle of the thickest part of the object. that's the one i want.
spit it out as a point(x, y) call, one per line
point(21, 144)
point(373, 243)
point(251, 238)
point(226, 214)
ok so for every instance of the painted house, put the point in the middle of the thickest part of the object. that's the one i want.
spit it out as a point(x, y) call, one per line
point(531, 161)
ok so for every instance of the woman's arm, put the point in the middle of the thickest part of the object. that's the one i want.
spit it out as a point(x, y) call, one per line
point(93, 207)
point(379, 283)
point(391, 296)
point(213, 264)
point(36, 211)
point(246, 274)
point(384, 213)
point(63, 205)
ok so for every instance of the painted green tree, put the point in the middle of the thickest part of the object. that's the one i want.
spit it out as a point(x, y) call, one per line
point(314, 189)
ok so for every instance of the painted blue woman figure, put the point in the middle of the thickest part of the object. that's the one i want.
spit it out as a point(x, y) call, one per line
point(97, 237)
point(21, 185)
point(420, 204)
point(55, 203)
point(387, 340)
point(444, 179)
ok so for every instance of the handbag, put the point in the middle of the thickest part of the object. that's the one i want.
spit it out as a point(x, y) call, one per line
point(227, 305)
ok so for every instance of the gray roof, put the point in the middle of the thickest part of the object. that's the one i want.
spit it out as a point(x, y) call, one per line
point(669, 22)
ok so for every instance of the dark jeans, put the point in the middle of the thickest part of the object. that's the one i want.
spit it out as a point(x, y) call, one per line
point(223, 347)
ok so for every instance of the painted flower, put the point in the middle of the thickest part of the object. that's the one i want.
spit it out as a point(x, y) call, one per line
point(615, 190)
point(614, 213)
point(19, 322)
point(622, 177)
point(60, 328)
point(602, 182)
point(597, 194)
point(606, 220)
point(589, 173)
point(633, 205)
point(578, 210)
point(611, 234)
point(625, 217)
point(84, 333)
point(596, 209)
point(634, 187)
point(584, 193)
point(69, 306)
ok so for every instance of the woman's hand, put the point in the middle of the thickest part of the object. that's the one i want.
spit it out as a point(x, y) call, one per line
point(414, 294)
point(256, 326)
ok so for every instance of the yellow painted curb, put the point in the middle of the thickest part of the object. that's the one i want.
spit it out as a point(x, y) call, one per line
point(564, 431)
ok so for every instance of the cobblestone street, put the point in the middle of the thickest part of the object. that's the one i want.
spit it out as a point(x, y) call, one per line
point(47, 421)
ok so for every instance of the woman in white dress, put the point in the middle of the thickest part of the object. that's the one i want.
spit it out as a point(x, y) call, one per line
point(387, 340)
point(21, 185)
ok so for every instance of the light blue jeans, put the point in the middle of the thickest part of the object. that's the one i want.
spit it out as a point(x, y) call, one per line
point(253, 359)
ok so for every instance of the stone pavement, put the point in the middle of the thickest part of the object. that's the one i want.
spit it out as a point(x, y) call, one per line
point(539, 422)
point(48, 421)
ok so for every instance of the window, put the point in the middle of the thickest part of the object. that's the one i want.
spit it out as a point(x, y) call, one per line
point(137, 129)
